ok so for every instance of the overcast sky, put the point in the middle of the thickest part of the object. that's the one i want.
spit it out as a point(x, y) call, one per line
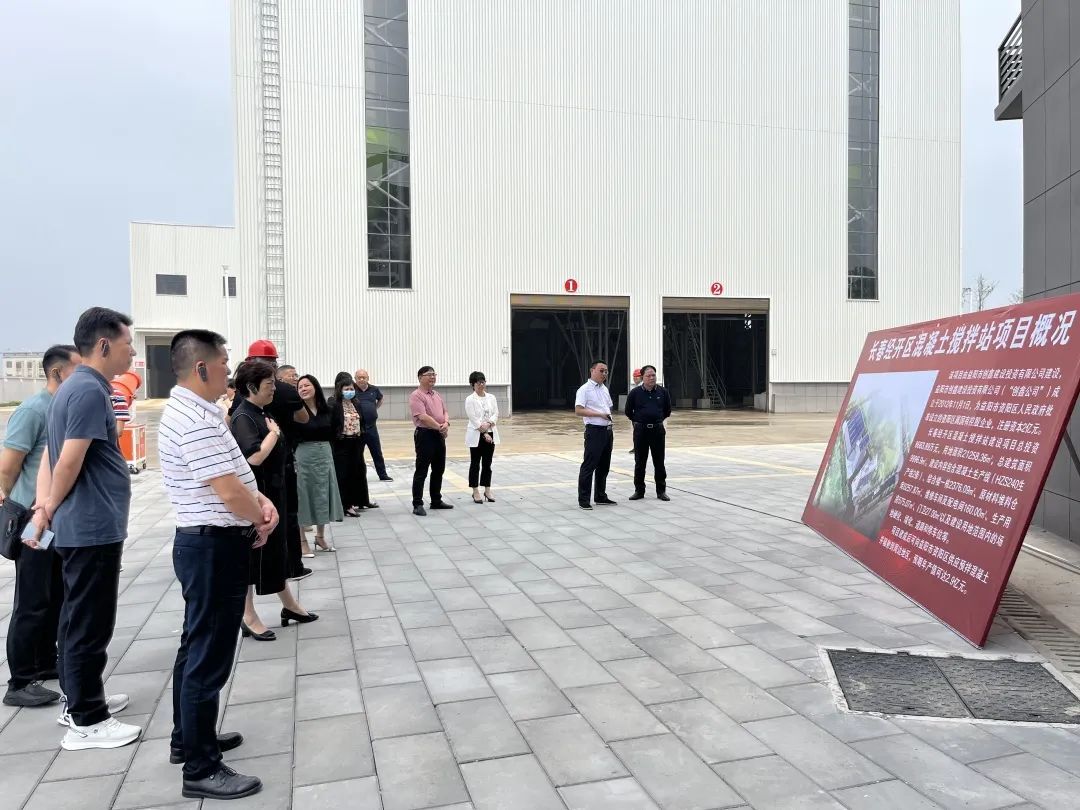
point(117, 110)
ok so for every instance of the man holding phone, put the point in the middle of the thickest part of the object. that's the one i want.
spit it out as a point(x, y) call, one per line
point(220, 517)
point(39, 589)
point(84, 496)
point(593, 404)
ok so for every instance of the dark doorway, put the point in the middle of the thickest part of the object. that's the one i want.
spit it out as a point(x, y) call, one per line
point(716, 360)
point(159, 373)
point(553, 349)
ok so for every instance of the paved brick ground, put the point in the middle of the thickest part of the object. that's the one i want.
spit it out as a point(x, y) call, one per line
point(526, 654)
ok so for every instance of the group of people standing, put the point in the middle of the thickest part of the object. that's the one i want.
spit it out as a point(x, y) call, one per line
point(247, 463)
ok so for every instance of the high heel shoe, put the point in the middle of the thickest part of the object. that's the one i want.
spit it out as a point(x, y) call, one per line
point(265, 635)
point(323, 546)
point(488, 498)
point(477, 500)
point(290, 616)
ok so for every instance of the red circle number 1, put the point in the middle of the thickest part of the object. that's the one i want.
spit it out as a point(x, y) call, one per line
point(570, 285)
point(716, 289)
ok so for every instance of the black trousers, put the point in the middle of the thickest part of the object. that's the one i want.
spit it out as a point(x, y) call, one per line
point(351, 471)
point(480, 463)
point(91, 577)
point(294, 560)
point(213, 574)
point(594, 467)
point(35, 617)
point(430, 454)
point(374, 444)
point(649, 440)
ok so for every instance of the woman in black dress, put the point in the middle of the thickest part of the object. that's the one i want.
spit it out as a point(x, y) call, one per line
point(260, 441)
point(348, 447)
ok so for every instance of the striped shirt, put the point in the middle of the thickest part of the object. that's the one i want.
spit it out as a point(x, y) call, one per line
point(195, 447)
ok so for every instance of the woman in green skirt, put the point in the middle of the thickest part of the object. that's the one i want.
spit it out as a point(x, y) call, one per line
point(320, 501)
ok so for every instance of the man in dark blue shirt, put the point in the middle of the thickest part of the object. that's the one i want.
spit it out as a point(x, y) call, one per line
point(647, 406)
point(368, 401)
point(84, 495)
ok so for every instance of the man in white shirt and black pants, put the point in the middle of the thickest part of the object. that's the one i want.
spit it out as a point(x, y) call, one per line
point(220, 517)
point(593, 404)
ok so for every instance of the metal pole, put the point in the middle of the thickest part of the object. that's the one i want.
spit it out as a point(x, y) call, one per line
point(228, 316)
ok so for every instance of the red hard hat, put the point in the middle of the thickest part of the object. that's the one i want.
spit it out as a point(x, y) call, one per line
point(262, 348)
point(637, 372)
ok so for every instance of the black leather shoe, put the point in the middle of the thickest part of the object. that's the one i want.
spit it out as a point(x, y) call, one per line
point(226, 742)
point(369, 505)
point(604, 499)
point(300, 618)
point(225, 784)
point(637, 496)
point(662, 496)
point(419, 510)
point(442, 505)
point(584, 505)
point(33, 694)
point(265, 635)
point(385, 478)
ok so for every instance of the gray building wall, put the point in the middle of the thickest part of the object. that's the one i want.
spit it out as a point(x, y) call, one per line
point(1050, 87)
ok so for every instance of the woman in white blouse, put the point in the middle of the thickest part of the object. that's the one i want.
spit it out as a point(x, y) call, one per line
point(481, 435)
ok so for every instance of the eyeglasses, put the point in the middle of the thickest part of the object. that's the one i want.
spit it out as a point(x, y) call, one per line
point(481, 382)
point(430, 374)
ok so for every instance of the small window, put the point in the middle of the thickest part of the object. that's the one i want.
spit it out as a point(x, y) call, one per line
point(171, 284)
point(228, 286)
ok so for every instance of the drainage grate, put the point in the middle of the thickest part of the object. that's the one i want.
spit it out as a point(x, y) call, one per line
point(1046, 635)
point(973, 688)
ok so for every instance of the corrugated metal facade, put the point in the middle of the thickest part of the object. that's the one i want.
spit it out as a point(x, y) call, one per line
point(646, 148)
point(195, 251)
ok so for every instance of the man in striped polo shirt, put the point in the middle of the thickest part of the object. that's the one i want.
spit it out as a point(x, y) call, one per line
point(220, 517)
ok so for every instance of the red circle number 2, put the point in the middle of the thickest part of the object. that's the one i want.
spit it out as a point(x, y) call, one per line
point(716, 289)
point(570, 285)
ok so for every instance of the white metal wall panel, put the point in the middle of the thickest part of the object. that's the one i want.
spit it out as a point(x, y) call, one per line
point(248, 192)
point(644, 147)
point(197, 252)
point(324, 168)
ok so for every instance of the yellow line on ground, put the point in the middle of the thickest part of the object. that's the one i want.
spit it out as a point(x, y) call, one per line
point(671, 480)
point(732, 459)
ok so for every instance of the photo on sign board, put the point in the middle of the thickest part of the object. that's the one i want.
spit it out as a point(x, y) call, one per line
point(875, 437)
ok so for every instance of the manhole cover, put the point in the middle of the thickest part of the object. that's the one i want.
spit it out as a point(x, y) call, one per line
point(928, 686)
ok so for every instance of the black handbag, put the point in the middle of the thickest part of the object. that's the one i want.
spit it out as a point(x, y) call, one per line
point(13, 519)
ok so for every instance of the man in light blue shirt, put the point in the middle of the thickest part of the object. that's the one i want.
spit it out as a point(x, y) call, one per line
point(593, 404)
point(39, 589)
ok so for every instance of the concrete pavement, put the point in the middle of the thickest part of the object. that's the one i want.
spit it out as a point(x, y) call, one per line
point(526, 654)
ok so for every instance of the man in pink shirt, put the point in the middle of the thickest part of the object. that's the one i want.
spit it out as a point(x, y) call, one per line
point(432, 424)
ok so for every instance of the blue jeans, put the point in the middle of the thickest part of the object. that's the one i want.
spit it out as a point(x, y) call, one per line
point(213, 574)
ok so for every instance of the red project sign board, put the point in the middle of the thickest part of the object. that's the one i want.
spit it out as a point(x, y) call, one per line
point(942, 448)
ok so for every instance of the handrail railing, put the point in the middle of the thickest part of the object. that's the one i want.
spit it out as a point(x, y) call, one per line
point(1011, 58)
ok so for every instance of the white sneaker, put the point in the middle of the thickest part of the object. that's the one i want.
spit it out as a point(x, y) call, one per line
point(116, 703)
point(109, 733)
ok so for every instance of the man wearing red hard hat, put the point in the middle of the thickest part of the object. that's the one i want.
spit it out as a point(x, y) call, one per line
point(288, 411)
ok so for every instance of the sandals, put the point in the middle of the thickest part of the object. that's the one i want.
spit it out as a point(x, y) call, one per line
point(322, 546)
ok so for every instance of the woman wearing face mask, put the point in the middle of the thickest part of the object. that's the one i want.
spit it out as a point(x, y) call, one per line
point(259, 439)
point(320, 501)
point(348, 447)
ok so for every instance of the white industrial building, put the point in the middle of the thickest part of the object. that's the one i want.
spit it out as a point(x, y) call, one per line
point(735, 191)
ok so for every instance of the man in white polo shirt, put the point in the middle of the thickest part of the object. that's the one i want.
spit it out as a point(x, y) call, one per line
point(220, 517)
point(593, 404)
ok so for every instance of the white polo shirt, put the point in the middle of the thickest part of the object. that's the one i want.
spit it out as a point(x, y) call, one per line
point(595, 397)
point(196, 446)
